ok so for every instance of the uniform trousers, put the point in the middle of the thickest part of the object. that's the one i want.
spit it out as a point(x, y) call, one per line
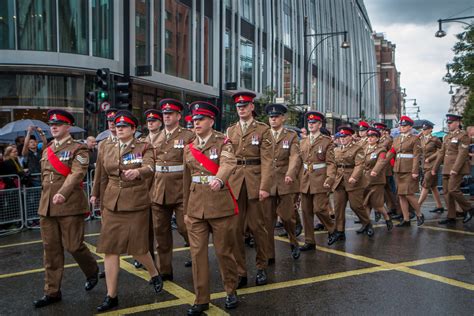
point(356, 201)
point(283, 206)
point(315, 204)
point(453, 194)
point(164, 235)
point(250, 212)
point(61, 233)
point(223, 236)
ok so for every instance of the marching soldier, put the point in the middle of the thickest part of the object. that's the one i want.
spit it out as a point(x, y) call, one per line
point(363, 127)
point(210, 206)
point(286, 164)
point(429, 147)
point(62, 207)
point(406, 150)
point(126, 202)
point(189, 122)
point(317, 177)
point(251, 142)
point(169, 148)
point(454, 155)
point(375, 161)
point(347, 186)
point(386, 141)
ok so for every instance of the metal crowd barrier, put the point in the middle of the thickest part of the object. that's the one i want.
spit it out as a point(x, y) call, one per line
point(11, 215)
point(95, 209)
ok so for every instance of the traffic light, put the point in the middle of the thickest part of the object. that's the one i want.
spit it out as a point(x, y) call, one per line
point(102, 78)
point(123, 95)
point(91, 102)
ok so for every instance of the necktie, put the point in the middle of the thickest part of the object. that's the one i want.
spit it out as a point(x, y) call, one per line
point(201, 144)
point(244, 127)
point(168, 135)
point(275, 135)
point(311, 139)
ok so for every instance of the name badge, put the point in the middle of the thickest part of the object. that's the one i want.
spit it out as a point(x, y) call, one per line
point(373, 156)
point(454, 140)
point(213, 153)
point(286, 144)
point(255, 140)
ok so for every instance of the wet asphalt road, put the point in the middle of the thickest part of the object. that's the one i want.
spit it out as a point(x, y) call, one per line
point(426, 270)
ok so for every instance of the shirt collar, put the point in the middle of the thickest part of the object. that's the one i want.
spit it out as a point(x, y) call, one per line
point(127, 143)
point(172, 131)
point(315, 135)
point(201, 140)
point(248, 122)
point(61, 142)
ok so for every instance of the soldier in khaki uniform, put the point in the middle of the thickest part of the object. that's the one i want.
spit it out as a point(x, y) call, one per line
point(316, 178)
point(430, 145)
point(373, 181)
point(62, 207)
point(125, 222)
point(166, 199)
point(252, 147)
point(210, 206)
point(454, 154)
point(363, 127)
point(348, 158)
point(406, 150)
point(286, 164)
point(390, 199)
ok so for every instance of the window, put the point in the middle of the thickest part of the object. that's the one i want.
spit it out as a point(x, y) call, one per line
point(141, 32)
point(197, 40)
point(74, 27)
point(286, 23)
point(103, 28)
point(157, 35)
point(246, 8)
point(287, 87)
point(7, 25)
point(208, 60)
point(246, 64)
point(36, 24)
point(227, 56)
point(178, 50)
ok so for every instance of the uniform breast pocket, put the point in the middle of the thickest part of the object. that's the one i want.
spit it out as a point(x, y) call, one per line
point(321, 155)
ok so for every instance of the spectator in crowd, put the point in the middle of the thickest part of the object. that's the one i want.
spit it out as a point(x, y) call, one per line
point(92, 146)
point(19, 142)
point(32, 155)
point(11, 165)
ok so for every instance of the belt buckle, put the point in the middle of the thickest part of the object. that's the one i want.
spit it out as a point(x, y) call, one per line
point(310, 167)
point(203, 179)
point(165, 169)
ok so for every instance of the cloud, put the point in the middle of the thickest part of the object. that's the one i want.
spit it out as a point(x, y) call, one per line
point(416, 11)
point(420, 56)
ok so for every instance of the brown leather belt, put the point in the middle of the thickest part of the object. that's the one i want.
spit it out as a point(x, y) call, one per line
point(346, 166)
point(248, 161)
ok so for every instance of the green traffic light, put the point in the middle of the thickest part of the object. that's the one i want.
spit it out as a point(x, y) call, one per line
point(103, 95)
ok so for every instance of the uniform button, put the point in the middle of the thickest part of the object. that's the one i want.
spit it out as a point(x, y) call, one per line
point(243, 149)
point(201, 164)
point(202, 172)
point(166, 152)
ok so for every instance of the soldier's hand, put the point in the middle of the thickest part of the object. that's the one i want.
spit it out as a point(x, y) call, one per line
point(453, 173)
point(326, 185)
point(373, 174)
point(58, 199)
point(288, 180)
point(433, 172)
point(131, 174)
point(215, 185)
point(352, 180)
point(414, 175)
point(263, 195)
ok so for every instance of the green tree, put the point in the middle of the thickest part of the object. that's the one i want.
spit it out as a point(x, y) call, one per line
point(462, 68)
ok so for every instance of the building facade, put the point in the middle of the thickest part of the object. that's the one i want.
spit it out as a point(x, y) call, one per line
point(458, 100)
point(194, 49)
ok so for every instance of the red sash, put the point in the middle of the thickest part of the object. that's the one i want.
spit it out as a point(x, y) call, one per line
point(212, 167)
point(57, 164)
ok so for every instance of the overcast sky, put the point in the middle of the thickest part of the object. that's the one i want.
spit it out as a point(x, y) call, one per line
point(420, 57)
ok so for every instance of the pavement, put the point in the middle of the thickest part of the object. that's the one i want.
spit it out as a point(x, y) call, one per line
point(427, 270)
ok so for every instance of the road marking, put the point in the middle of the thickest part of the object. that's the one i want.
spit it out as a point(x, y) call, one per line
point(396, 266)
point(38, 241)
point(448, 230)
point(174, 289)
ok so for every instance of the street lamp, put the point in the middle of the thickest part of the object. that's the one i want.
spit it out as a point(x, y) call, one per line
point(451, 90)
point(361, 86)
point(441, 33)
point(448, 74)
point(307, 58)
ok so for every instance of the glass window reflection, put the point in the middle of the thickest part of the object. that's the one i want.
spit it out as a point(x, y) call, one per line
point(74, 27)
point(246, 64)
point(7, 24)
point(102, 28)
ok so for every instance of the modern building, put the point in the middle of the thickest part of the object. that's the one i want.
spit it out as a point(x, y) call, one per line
point(458, 100)
point(189, 50)
point(391, 94)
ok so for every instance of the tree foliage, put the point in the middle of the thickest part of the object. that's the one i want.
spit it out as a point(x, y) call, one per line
point(462, 70)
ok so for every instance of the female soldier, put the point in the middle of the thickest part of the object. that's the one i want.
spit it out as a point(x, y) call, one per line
point(126, 205)
point(374, 175)
point(406, 150)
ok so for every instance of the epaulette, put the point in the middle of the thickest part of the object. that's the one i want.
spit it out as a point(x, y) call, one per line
point(326, 136)
point(233, 124)
point(261, 123)
point(290, 131)
point(219, 134)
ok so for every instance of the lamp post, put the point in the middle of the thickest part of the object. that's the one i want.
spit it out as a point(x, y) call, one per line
point(362, 85)
point(441, 33)
point(400, 92)
point(404, 106)
point(307, 57)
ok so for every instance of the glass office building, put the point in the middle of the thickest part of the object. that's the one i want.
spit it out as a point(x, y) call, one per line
point(195, 49)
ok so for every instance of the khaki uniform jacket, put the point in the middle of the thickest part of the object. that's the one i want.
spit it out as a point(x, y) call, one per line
point(349, 162)
point(254, 144)
point(121, 194)
point(375, 159)
point(362, 141)
point(454, 154)
point(75, 155)
point(286, 161)
point(321, 151)
point(169, 153)
point(387, 142)
point(100, 178)
point(406, 145)
point(199, 200)
point(429, 148)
